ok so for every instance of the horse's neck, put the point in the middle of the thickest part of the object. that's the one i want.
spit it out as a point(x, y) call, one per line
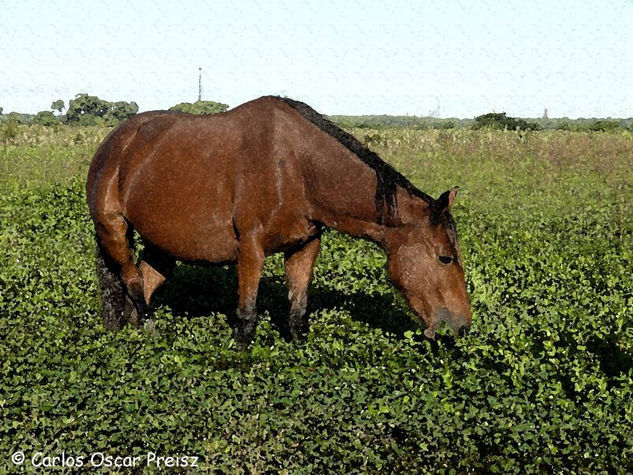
point(344, 197)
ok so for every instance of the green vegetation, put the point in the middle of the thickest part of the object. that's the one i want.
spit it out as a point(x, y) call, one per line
point(604, 126)
point(502, 121)
point(58, 105)
point(45, 118)
point(87, 110)
point(35, 156)
point(200, 107)
point(389, 121)
point(494, 120)
point(90, 110)
point(544, 383)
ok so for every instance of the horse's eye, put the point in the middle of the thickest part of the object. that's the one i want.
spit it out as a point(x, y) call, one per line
point(445, 259)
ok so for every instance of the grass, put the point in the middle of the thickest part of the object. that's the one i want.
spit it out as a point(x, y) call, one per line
point(544, 383)
point(38, 156)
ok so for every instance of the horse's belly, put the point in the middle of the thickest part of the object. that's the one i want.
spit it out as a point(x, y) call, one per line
point(211, 244)
point(192, 223)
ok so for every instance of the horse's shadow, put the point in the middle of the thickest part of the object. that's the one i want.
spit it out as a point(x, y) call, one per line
point(194, 291)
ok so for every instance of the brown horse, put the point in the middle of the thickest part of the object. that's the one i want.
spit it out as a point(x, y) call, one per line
point(262, 178)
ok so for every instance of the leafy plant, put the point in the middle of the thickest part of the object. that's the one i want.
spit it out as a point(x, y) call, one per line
point(543, 383)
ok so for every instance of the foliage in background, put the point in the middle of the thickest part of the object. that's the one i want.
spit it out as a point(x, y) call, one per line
point(17, 118)
point(499, 120)
point(9, 130)
point(200, 107)
point(34, 155)
point(90, 110)
point(544, 382)
point(604, 126)
point(423, 123)
point(58, 105)
point(387, 121)
point(45, 118)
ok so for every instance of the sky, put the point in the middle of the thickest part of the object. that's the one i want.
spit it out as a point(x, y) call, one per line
point(442, 58)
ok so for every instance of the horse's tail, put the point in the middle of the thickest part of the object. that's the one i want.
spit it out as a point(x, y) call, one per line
point(115, 305)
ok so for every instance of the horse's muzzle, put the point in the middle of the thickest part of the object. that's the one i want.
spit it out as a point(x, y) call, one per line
point(460, 324)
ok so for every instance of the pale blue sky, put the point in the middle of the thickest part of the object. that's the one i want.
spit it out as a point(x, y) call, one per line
point(464, 58)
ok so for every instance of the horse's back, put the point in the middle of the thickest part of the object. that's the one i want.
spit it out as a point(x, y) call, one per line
point(191, 184)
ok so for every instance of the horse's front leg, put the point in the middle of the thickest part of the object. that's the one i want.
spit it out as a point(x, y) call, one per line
point(250, 261)
point(299, 266)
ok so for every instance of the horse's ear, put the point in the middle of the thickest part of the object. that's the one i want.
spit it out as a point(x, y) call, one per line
point(446, 200)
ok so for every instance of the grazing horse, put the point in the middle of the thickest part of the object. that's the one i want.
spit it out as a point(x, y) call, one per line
point(262, 178)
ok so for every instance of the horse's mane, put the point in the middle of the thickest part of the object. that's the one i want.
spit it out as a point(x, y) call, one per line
point(388, 179)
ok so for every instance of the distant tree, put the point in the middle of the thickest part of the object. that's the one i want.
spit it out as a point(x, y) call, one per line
point(1, 110)
point(16, 117)
point(89, 119)
point(399, 121)
point(564, 125)
point(448, 124)
point(499, 120)
point(90, 110)
point(200, 107)
point(58, 105)
point(85, 105)
point(45, 118)
point(604, 126)
point(120, 111)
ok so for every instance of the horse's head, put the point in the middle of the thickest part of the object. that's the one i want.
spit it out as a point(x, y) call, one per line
point(425, 264)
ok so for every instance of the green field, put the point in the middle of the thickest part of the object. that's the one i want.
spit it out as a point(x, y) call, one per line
point(543, 383)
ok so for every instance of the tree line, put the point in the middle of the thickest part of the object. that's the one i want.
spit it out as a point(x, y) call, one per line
point(85, 109)
point(493, 120)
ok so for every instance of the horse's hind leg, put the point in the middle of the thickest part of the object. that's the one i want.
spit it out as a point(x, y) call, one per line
point(299, 266)
point(120, 280)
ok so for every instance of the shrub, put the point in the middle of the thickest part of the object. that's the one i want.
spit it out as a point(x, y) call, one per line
point(501, 121)
point(45, 118)
point(445, 125)
point(604, 126)
point(9, 130)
